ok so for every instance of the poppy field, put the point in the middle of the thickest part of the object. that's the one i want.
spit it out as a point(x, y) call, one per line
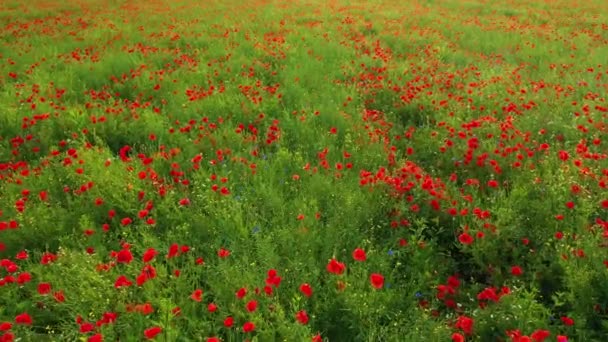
point(267, 170)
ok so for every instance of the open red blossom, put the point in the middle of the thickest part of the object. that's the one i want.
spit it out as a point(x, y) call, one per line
point(540, 335)
point(515, 335)
point(465, 324)
point(306, 289)
point(144, 309)
point(516, 271)
point(377, 280)
point(335, 267)
point(453, 281)
point(456, 337)
point(488, 294)
point(148, 272)
point(7, 337)
point(23, 278)
point(124, 256)
point(242, 292)
point(108, 318)
point(248, 327)
point(223, 253)
point(173, 251)
point(302, 317)
point(149, 255)
point(268, 290)
point(86, 327)
point(567, 321)
point(44, 288)
point(359, 254)
point(211, 307)
point(126, 221)
point(22, 255)
point(213, 339)
point(122, 281)
point(151, 333)
point(228, 322)
point(95, 338)
point(465, 238)
point(252, 305)
point(197, 295)
point(23, 319)
point(4, 326)
point(273, 278)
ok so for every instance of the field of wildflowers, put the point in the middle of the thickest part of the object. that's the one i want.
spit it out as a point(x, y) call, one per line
point(341, 170)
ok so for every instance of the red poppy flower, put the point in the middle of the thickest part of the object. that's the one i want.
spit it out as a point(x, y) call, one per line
point(465, 239)
point(516, 271)
point(228, 322)
point(173, 251)
point(86, 327)
point(23, 278)
point(95, 338)
point(465, 324)
point(151, 333)
point(252, 306)
point(149, 255)
point(197, 295)
point(23, 319)
point(44, 288)
point(124, 256)
point(22, 255)
point(302, 317)
point(335, 267)
point(377, 280)
point(540, 335)
point(456, 337)
point(242, 292)
point(359, 254)
point(223, 253)
point(567, 321)
point(122, 281)
point(248, 327)
point(306, 289)
point(8, 337)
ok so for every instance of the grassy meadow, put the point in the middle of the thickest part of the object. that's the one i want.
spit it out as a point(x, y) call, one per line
point(303, 170)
